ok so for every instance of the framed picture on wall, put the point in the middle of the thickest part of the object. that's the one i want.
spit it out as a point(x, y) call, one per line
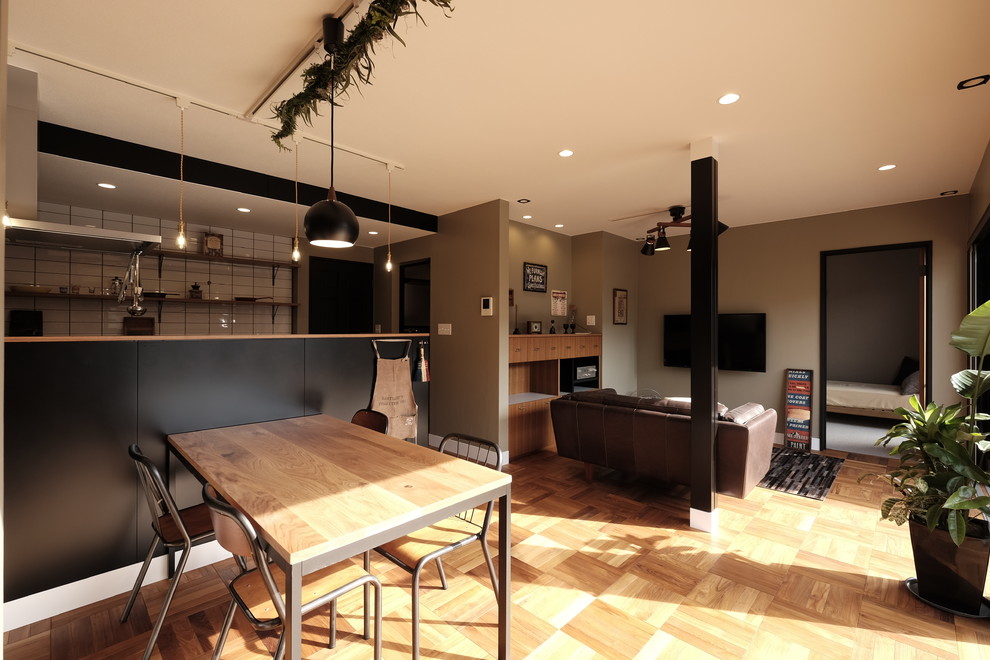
point(534, 277)
point(620, 306)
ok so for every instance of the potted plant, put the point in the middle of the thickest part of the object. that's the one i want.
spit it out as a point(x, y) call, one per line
point(938, 484)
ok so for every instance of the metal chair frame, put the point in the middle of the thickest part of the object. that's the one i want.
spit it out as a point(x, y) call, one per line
point(245, 542)
point(371, 419)
point(482, 452)
point(164, 511)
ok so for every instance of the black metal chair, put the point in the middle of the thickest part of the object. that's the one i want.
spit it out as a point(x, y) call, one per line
point(414, 551)
point(259, 592)
point(371, 419)
point(174, 528)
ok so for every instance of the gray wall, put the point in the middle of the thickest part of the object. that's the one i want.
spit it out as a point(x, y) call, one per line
point(553, 250)
point(873, 313)
point(470, 367)
point(774, 268)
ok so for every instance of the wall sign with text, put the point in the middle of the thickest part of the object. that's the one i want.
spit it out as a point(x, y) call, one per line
point(534, 277)
point(797, 415)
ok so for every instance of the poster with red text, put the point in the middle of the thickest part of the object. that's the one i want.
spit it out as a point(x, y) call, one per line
point(797, 420)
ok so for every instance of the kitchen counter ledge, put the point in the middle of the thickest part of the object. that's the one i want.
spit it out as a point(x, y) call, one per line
point(78, 338)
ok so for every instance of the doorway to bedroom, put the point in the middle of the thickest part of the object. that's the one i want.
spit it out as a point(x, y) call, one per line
point(875, 341)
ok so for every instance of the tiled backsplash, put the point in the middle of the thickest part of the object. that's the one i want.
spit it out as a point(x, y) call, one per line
point(92, 272)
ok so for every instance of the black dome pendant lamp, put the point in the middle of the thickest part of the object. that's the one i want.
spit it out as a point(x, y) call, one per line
point(330, 223)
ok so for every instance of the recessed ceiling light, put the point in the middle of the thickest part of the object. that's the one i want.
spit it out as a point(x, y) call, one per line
point(523, 200)
point(373, 233)
point(976, 81)
point(108, 186)
point(527, 217)
point(946, 193)
point(565, 153)
point(884, 168)
point(728, 98)
point(558, 226)
point(243, 209)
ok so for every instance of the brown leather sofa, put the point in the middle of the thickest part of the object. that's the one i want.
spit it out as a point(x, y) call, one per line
point(651, 438)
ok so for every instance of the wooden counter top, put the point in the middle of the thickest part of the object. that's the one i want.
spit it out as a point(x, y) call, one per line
point(20, 340)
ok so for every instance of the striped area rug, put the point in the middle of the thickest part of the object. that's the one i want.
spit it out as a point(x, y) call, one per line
point(801, 473)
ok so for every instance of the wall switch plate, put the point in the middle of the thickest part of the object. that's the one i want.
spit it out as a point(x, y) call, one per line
point(487, 306)
point(444, 328)
point(589, 320)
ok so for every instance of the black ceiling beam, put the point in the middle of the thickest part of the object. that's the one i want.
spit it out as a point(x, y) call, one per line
point(93, 148)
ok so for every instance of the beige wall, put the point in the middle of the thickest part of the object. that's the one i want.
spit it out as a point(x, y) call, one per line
point(604, 262)
point(553, 250)
point(774, 268)
point(469, 369)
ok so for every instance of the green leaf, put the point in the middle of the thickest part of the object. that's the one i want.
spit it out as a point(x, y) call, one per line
point(932, 516)
point(971, 383)
point(973, 334)
point(957, 526)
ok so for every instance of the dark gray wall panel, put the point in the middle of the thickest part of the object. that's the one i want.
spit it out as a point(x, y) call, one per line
point(69, 487)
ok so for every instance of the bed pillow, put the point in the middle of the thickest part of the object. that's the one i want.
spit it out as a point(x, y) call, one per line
point(908, 366)
point(911, 384)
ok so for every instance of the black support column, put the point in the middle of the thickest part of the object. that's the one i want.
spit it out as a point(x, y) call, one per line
point(704, 337)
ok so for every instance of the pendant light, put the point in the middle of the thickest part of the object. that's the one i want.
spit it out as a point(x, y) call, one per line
point(330, 223)
point(295, 239)
point(180, 240)
point(388, 239)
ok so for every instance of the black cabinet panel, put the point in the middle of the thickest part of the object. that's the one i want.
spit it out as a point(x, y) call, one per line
point(69, 487)
point(192, 385)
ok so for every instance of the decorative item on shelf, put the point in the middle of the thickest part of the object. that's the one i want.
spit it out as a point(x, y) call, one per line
point(213, 245)
point(180, 240)
point(194, 291)
point(534, 327)
point(620, 306)
point(116, 286)
point(534, 277)
point(940, 484)
point(330, 223)
point(553, 328)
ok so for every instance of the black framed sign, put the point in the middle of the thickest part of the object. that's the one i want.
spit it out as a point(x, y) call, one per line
point(534, 277)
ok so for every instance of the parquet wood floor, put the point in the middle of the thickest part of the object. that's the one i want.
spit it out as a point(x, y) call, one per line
point(606, 570)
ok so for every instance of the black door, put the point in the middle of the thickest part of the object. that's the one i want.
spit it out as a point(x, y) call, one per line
point(340, 296)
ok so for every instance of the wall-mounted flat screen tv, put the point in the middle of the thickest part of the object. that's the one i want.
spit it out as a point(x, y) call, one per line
point(742, 341)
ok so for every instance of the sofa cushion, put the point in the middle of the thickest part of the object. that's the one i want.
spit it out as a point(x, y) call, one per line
point(681, 405)
point(591, 396)
point(744, 413)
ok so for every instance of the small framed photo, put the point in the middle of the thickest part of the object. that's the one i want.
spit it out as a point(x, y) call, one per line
point(534, 277)
point(213, 245)
point(620, 306)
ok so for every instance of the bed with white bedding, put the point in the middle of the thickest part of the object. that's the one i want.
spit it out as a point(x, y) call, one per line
point(867, 399)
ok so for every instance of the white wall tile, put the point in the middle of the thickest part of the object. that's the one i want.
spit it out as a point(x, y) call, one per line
point(53, 208)
point(56, 218)
point(20, 265)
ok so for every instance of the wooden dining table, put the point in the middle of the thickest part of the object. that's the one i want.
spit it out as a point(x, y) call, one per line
point(320, 490)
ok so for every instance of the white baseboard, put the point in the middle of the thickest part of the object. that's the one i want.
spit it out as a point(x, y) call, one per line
point(45, 604)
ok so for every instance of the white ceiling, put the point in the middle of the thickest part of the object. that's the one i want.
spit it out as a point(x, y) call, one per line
point(476, 106)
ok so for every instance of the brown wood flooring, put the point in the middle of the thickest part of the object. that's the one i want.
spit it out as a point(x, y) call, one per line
point(606, 570)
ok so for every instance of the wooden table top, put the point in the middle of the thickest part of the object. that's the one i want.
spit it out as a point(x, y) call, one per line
point(316, 484)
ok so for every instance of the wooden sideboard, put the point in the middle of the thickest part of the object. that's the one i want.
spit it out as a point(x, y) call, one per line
point(540, 368)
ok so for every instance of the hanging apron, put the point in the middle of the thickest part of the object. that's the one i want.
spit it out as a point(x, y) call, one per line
point(393, 393)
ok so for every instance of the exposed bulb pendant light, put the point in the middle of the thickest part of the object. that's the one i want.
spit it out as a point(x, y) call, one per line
point(295, 239)
point(330, 223)
point(180, 240)
point(388, 240)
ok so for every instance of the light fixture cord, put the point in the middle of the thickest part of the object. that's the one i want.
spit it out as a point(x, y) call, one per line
point(333, 84)
point(297, 191)
point(182, 162)
point(389, 210)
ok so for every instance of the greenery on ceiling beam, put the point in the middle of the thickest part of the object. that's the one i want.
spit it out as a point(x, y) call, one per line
point(352, 62)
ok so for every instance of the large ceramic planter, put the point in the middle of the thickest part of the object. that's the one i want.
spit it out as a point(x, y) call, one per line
point(951, 577)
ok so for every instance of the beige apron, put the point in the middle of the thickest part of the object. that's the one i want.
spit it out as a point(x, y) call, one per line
point(393, 393)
